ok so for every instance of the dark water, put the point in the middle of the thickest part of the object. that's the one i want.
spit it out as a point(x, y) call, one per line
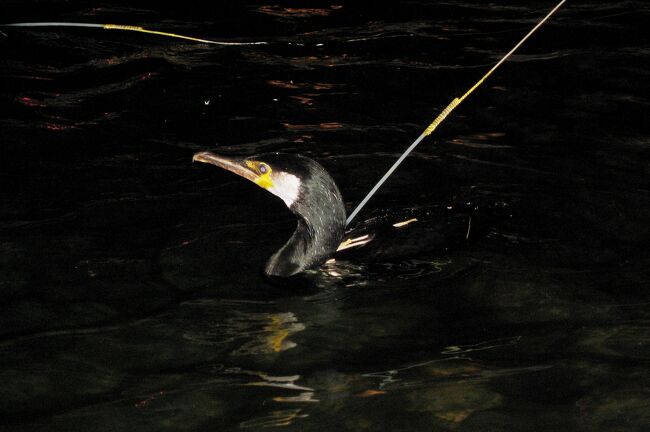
point(132, 292)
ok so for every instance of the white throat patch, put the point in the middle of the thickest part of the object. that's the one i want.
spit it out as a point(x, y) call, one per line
point(287, 187)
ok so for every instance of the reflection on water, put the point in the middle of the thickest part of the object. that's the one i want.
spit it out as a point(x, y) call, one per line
point(480, 346)
point(258, 333)
point(274, 419)
point(497, 282)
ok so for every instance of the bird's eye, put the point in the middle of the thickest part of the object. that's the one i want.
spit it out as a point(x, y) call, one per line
point(264, 168)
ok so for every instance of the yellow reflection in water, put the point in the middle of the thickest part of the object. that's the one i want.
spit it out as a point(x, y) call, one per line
point(274, 334)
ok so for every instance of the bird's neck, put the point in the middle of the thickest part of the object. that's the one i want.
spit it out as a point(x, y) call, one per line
point(318, 234)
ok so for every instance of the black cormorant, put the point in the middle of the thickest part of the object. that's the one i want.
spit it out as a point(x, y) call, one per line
point(308, 191)
point(312, 195)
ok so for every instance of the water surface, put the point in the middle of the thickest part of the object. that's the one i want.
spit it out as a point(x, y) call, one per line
point(131, 280)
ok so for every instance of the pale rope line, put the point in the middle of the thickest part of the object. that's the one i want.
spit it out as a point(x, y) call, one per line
point(128, 28)
point(454, 103)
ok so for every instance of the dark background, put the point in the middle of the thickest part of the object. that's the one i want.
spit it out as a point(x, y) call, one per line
point(131, 288)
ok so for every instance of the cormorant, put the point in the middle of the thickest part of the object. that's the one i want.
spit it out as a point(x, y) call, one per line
point(308, 191)
point(312, 195)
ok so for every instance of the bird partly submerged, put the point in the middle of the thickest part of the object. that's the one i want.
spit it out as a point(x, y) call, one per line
point(308, 191)
point(311, 194)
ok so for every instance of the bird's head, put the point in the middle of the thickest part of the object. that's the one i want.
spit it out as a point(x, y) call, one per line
point(282, 175)
point(308, 191)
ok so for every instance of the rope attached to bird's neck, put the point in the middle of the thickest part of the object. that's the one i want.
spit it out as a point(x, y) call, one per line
point(438, 120)
point(444, 113)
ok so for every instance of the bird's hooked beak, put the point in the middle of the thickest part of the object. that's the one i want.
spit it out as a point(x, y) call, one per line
point(281, 184)
point(234, 165)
